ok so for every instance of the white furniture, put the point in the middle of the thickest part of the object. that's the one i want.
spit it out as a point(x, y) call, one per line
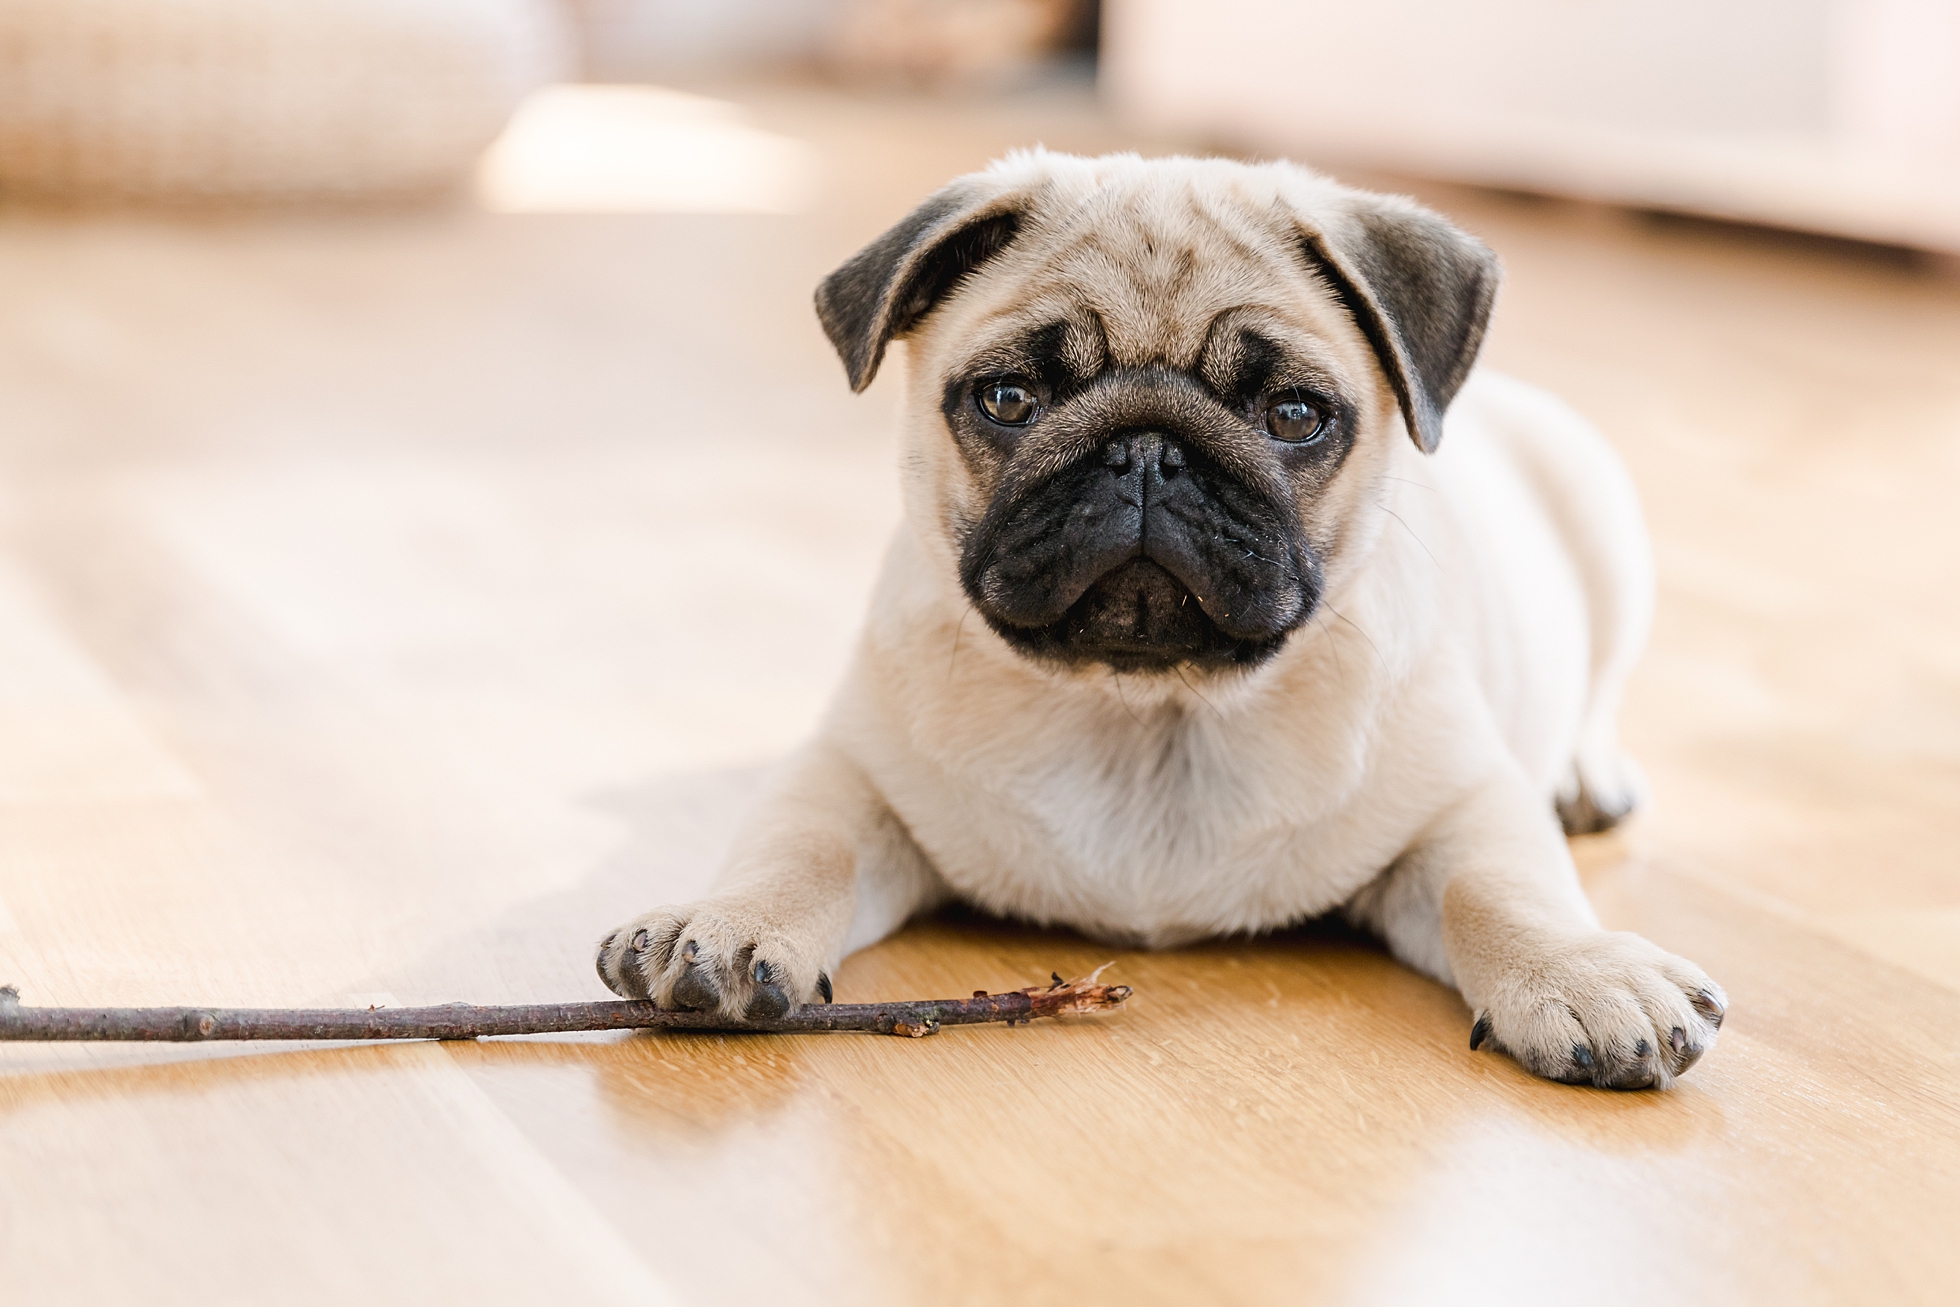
point(1840, 116)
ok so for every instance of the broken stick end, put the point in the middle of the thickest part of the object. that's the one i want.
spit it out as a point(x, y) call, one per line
point(1077, 996)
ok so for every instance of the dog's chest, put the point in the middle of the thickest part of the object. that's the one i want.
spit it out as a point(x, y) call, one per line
point(1156, 829)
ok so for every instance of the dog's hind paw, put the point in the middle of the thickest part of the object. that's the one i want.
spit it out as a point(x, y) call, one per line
point(1597, 794)
point(719, 955)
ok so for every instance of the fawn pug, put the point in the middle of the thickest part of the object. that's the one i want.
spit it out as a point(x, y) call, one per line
point(1226, 596)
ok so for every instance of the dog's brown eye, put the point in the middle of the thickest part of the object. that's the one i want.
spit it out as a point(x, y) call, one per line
point(1294, 421)
point(1008, 402)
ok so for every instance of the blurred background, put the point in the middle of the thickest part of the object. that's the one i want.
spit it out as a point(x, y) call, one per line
point(1838, 116)
point(427, 501)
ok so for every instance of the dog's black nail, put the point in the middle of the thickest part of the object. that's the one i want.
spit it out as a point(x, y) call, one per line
point(1642, 1048)
point(1582, 1055)
point(690, 950)
point(760, 973)
point(1679, 1038)
point(823, 985)
point(1709, 1006)
point(1480, 1031)
point(639, 941)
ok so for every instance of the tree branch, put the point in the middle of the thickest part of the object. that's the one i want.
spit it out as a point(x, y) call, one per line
point(466, 1021)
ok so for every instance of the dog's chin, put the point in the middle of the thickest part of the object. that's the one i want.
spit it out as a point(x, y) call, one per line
point(1138, 618)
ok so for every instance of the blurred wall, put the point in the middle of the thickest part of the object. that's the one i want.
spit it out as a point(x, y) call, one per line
point(1834, 115)
point(629, 40)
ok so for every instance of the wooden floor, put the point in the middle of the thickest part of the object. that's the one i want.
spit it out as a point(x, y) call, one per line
point(388, 604)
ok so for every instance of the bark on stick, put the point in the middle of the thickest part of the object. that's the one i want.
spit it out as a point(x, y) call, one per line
point(466, 1021)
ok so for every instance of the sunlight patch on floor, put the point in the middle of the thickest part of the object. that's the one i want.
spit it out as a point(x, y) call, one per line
point(641, 149)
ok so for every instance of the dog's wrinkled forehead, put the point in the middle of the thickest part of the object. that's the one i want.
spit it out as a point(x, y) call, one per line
point(1137, 273)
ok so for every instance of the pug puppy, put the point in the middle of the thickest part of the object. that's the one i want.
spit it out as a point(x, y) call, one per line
point(1226, 596)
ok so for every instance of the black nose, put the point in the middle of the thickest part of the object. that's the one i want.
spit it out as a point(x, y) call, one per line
point(1152, 453)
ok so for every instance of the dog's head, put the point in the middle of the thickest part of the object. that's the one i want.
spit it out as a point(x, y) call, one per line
point(1152, 399)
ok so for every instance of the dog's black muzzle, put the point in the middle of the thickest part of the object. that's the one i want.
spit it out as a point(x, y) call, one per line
point(1142, 554)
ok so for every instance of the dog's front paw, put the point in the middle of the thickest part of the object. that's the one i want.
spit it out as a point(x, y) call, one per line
point(724, 955)
point(1606, 1009)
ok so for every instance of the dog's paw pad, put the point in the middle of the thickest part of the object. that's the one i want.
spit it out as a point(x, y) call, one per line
point(696, 988)
point(767, 999)
point(629, 956)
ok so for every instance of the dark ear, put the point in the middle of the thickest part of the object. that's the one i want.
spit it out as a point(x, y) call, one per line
point(889, 285)
point(1420, 289)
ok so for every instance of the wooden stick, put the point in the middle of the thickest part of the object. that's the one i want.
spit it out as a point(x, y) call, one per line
point(466, 1021)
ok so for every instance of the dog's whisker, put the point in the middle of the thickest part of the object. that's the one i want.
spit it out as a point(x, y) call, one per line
point(1334, 648)
point(1117, 678)
point(958, 630)
point(1412, 533)
point(1363, 634)
point(1194, 689)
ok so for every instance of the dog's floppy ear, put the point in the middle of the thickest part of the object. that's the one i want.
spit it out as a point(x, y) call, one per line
point(1420, 289)
point(889, 285)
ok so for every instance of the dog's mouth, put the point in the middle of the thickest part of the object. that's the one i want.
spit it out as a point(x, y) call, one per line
point(1138, 617)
